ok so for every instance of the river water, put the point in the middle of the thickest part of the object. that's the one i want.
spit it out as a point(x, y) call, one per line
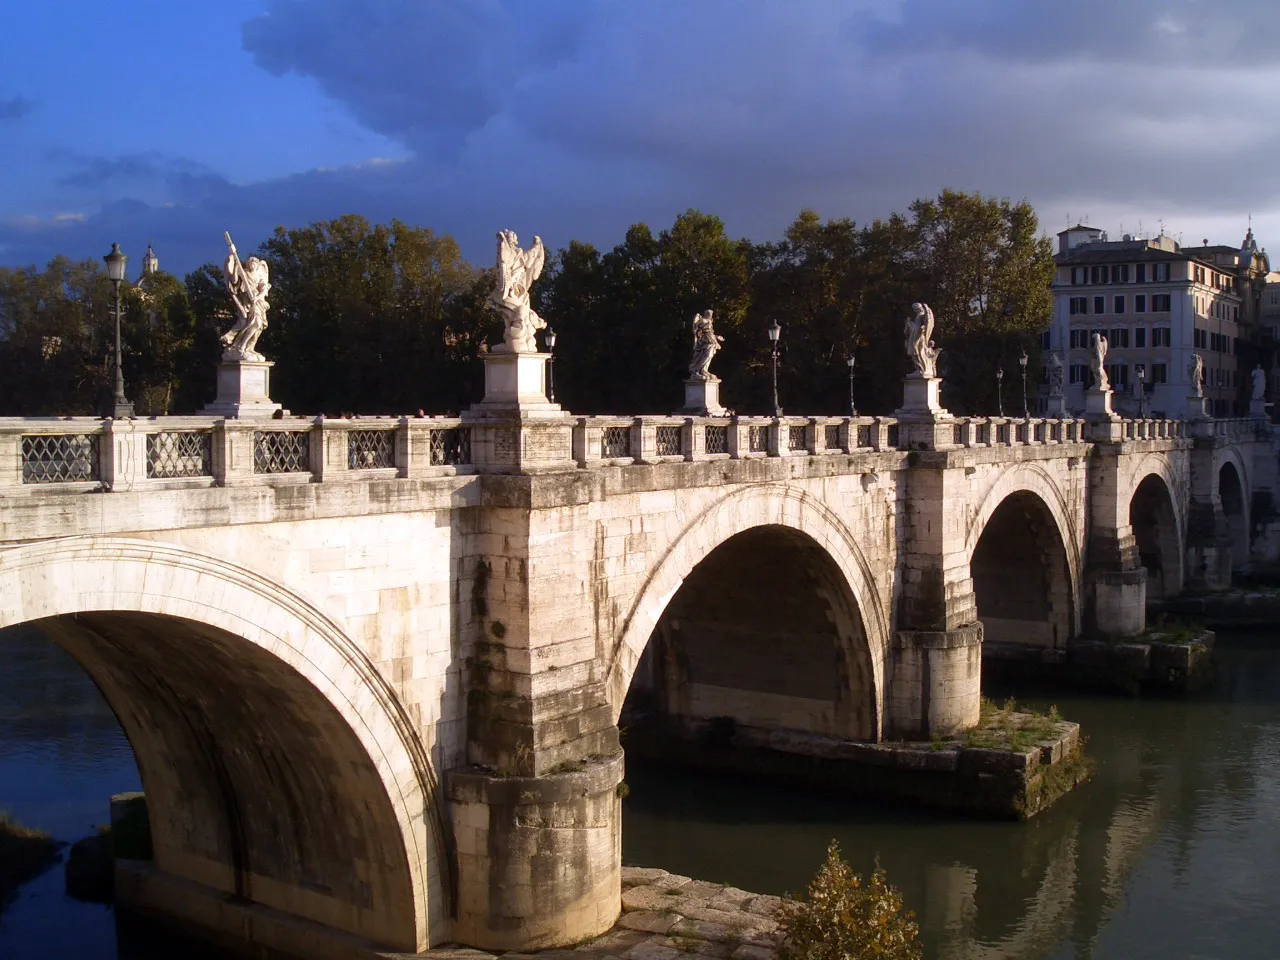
point(1172, 850)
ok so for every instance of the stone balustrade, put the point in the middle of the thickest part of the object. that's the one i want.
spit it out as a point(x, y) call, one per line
point(78, 454)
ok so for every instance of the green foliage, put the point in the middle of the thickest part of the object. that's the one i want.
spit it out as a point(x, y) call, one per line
point(390, 318)
point(845, 918)
point(24, 853)
point(1008, 727)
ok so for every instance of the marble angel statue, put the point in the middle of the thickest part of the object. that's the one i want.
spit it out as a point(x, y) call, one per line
point(706, 344)
point(1055, 375)
point(517, 270)
point(1097, 366)
point(248, 284)
point(920, 348)
point(1259, 382)
point(1195, 370)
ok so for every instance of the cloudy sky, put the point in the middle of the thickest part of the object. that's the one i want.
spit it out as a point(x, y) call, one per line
point(168, 122)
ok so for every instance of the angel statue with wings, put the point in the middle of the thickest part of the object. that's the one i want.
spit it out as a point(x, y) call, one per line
point(517, 269)
point(1097, 362)
point(920, 348)
point(706, 344)
point(248, 285)
point(1195, 372)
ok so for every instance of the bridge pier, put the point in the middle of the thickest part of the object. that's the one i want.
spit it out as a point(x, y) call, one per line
point(1115, 578)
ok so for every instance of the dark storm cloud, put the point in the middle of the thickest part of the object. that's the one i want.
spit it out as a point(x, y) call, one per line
point(15, 108)
point(574, 118)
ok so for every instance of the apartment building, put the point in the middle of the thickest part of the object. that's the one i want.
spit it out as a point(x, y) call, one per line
point(1157, 304)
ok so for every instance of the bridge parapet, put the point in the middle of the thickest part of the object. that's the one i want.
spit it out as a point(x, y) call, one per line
point(81, 454)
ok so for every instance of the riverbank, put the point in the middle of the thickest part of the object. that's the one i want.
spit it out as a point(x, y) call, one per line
point(666, 916)
point(24, 854)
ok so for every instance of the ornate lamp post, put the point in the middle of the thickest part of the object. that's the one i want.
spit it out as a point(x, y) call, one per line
point(775, 331)
point(999, 390)
point(1141, 370)
point(1022, 362)
point(121, 408)
point(853, 411)
point(550, 338)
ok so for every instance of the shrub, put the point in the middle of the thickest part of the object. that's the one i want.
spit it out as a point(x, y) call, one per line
point(844, 918)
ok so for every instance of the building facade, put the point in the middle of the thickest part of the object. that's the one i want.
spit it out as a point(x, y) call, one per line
point(1157, 304)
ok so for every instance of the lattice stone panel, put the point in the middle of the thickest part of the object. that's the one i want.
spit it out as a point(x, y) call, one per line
point(451, 448)
point(615, 442)
point(757, 439)
point(893, 436)
point(957, 434)
point(1002, 433)
point(282, 451)
point(174, 454)
point(669, 441)
point(984, 433)
point(797, 439)
point(864, 436)
point(831, 436)
point(59, 459)
point(717, 439)
point(371, 449)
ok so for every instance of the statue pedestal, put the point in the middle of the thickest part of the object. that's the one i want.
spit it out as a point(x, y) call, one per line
point(920, 398)
point(702, 398)
point(244, 390)
point(1197, 408)
point(1057, 408)
point(1257, 407)
point(1097, 405)
point(515, 385)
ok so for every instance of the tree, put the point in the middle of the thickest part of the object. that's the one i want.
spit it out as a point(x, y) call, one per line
point(987, 272)
point(845, 919)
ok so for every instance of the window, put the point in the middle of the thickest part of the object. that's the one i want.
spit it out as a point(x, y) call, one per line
point(1118, 373)
point(1079, 305)
point(1119, 304)
point(1159, 373)
point(1198, 338)
point(1079, 338)
point(1140, 303)
point(1159, 272)
point(1160, 301)
point(1199, 275)
point(1139, 336)
point(1046, 340)
point(1099, 304)
point(1275, 299)
point(1119, 337)
point(1098, 274)
point(1079, 275)
point(1160, 336)
point(1235, 314)
point(1140, 273)
point(1120, 273)
point(1079, 373)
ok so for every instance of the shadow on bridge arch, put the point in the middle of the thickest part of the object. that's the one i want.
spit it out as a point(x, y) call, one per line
point(1024, 564)
point(1235, 506)
point(1157, 531)
point(762, 611)
point(278, 767)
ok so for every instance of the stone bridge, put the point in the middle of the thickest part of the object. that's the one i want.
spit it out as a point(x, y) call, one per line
point(372, 669)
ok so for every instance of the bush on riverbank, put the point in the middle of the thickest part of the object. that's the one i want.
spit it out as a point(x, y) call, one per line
point(845, 918)
point(24, 853)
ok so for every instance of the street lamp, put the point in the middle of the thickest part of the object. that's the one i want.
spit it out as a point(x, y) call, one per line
point(775, 331)
point(853, 411)
point(999, 390)
point(550, 338)
point(1022, 361)
point(121, 408)
point(1141, 370)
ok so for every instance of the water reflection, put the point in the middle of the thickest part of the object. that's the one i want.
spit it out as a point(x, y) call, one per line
point(1173, 850)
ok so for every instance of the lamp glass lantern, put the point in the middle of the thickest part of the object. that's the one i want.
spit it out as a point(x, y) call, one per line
point(115, 261)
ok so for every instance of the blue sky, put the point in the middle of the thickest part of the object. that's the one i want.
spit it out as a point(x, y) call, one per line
point(168, 122)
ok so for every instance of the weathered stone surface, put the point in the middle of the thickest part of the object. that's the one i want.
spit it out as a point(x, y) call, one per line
point(649, 921)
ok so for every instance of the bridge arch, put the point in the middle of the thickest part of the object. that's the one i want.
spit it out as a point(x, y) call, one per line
point(801, 537)
point(1024, 560)
point(1234, 496)
point(1159, 532)
point(279, 765)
